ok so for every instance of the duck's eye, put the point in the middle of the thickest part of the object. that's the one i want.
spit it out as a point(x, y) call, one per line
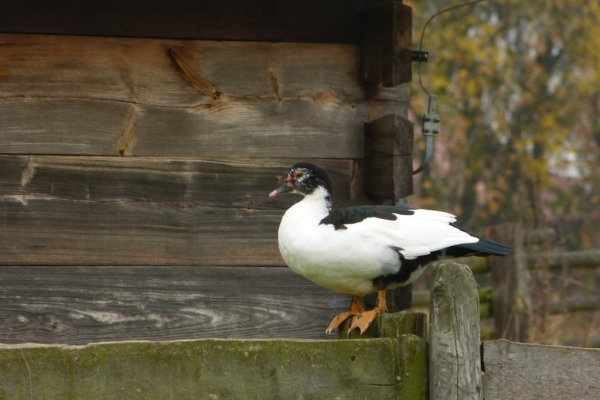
point(298, 175)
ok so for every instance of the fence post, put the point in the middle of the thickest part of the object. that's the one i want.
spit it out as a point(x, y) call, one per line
point(454, 352)
point(510, 279)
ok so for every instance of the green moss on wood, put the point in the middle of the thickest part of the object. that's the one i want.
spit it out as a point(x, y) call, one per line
point(211, 369)
point(389, 325)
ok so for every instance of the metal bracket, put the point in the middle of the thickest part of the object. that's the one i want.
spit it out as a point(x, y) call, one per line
point(419, 56)
point(431, 128)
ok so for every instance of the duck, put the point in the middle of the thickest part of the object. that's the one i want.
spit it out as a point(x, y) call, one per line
point(365, 249)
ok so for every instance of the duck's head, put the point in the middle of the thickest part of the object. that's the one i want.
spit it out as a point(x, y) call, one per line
point(305, 179)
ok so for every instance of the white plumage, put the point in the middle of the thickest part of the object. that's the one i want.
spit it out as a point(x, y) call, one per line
point(365, 249)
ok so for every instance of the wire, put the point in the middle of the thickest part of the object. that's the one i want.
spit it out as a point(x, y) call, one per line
point(425, 27)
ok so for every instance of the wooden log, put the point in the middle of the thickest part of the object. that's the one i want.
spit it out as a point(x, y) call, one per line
point(276, 20)
point(388, 158)
point(511, 300)
point(525, 371)
point(144, 71)
point(232, 128)
point(147, 211)
point(564, 259)
point(454, 357)
point(421, 298)
point(386, 40)
point(107, 96)
point(79, 305)
point(206, 369)
point(573, 304)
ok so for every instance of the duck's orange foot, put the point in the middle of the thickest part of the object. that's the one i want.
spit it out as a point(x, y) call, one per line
point(364, 320)
point(355, 310)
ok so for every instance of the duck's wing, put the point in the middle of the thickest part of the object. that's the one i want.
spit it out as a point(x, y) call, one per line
point(353, 215)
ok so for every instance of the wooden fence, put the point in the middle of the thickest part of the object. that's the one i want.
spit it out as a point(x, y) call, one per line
point(392, 360)
point(505, 284)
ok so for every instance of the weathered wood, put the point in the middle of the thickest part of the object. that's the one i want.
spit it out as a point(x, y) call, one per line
point(555, 260)
point(561, 260)
point(386, 44)
point(240, 128)
point(107, 96)
point(273, 20)
point(573, 304)
point(78, 305)
point(539, 236)
point(410, 329)
point(206, 369)
point(389, 325)
point(388, 158)
point(144, 72)
point(454, 357)
point(147, 211)
point(414, 368)
point(511, 300)
point(422, 298)
point(525, 371)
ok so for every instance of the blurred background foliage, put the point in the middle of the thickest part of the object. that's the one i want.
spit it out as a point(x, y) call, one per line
point(518, 85)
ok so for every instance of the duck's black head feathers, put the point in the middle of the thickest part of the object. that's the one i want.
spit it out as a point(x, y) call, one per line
point(307, 177)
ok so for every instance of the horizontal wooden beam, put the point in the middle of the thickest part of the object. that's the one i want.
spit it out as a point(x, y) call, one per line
point(79, 305)
point(273, 20)
point(173, 98)
point(526, 371)
point(148, 211)
point(212, 369)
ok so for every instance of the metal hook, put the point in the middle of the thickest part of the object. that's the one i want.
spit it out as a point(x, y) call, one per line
point(431, 129)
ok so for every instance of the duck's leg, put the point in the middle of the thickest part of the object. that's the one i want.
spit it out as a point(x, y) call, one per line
point(355, 310)
point(364, 320)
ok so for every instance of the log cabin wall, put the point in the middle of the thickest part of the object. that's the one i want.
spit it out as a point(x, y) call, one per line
point(134, 171)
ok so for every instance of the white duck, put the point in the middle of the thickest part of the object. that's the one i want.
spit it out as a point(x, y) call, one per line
point(365, 249)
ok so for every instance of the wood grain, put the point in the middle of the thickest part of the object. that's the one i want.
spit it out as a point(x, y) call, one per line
point(388, 158)
point(386, 56)
point(273, 20)
point(148, 211)
point(78, 305)
point(143, 70)
point(109, 96)
point(454, 355)
point(526, 371)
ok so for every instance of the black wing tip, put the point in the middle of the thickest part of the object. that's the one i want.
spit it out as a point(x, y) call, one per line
point(482, 248)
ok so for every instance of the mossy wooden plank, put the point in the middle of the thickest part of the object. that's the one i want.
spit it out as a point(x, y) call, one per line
point(414, 368)
point(527, 371)
point(206, 369)
point(80, 305)
point(391, 325)
point(147, 211)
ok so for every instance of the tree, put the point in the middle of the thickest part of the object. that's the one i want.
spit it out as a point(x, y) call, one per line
point(518, 86)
